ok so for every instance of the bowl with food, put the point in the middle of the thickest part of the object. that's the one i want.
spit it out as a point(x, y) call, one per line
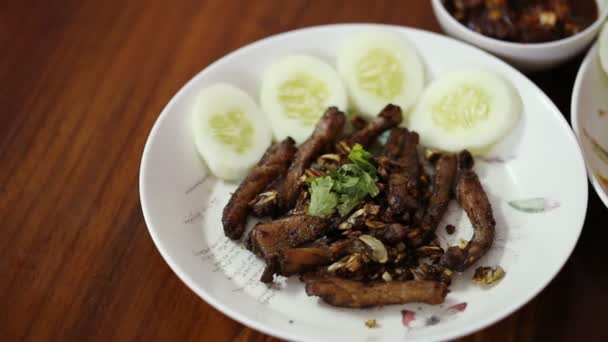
point(365, 183)
point(532, 35)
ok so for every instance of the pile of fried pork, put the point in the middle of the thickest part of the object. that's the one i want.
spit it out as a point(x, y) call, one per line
point(385, 250)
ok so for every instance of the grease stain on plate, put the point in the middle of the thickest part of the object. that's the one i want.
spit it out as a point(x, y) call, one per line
point(412, 319)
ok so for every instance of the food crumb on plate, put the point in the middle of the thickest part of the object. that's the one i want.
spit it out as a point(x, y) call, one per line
point(488, 275)
point(371, 323)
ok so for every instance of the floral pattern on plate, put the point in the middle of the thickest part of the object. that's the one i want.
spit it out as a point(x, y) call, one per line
point(534, 205)
point(416, 319)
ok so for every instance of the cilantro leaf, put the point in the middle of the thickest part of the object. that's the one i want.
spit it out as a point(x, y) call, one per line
point(347, 203)
point(343, 189)
point(323, 201)
point(367, 184)
point(362, 158)
point(351, 196)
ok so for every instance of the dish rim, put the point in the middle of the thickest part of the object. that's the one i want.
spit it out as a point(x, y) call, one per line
point(574, 117)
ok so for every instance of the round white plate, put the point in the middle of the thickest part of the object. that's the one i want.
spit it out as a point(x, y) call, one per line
point(589, 116)
point(540, 160)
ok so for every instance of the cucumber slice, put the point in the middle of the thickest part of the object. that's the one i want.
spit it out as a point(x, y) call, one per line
point(466, 109)
point(603, 48)
point(380, 67)
point(230, 131)
point(296, 90)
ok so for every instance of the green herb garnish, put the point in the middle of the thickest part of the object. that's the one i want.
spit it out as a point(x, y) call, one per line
point(362, 158)
point(323, 201)
point(344, 188)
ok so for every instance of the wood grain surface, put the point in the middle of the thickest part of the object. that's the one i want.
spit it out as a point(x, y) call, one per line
point(81, 84)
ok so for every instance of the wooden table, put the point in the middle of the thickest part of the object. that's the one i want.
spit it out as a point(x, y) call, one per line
point(81, 85)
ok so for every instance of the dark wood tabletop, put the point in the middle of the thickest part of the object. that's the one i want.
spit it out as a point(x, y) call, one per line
point(81, 84)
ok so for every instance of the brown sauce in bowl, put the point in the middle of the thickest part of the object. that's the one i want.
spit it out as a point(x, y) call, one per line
point(524, 21)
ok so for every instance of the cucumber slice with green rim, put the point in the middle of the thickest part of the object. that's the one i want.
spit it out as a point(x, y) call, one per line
point(466, 109)
point(296, 91)
point(380, 67)
point(230, 131)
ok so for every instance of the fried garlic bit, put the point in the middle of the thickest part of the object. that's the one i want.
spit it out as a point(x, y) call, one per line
point(488, 275)
point(263, 198)
point(379, 252)
point(351, 263)
point(371, 323)
point(387, 276)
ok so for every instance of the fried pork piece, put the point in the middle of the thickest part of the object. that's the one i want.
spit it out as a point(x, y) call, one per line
point(328, 128)
point(358, 121)
point(391, 150)
point(388, 118)
point(354, 294)
point(303, 259)
point(404, 175)
point(473, 199)
point(274, 162)
point(268, 239)
point(443, 181)
point(391, 233)
point(387, 162)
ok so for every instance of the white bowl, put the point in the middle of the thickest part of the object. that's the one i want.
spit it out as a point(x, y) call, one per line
point(527, 57)
point(589, 100)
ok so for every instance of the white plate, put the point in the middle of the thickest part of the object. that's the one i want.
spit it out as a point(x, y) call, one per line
point(182, 206)
point(589, 116)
